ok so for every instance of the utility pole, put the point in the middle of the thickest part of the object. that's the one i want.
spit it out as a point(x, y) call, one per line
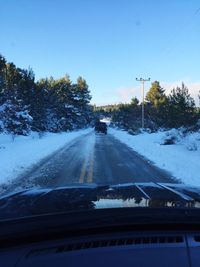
point(142, 82)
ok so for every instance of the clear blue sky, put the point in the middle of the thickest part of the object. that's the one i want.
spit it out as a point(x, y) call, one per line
point(108, 42)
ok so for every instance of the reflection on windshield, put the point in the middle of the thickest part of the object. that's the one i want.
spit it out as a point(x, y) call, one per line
point(134, 202)
point(75, 199)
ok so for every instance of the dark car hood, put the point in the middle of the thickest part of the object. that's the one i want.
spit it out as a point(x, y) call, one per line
point(90, 196)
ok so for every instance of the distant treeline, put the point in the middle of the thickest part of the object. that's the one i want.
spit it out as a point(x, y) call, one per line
point(45, 105)
point(161, 111)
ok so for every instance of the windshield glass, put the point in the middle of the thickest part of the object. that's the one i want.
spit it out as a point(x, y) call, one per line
point(99, 105)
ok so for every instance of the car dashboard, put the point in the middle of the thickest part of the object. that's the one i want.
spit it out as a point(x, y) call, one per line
point(150, 248)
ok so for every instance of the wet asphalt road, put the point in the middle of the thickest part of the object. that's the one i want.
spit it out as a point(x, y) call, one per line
point(92, 158)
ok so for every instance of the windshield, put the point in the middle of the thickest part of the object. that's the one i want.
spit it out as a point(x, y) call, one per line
point(99, 105)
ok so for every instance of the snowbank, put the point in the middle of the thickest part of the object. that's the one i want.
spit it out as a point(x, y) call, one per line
point(181, 159)
point(25, 151)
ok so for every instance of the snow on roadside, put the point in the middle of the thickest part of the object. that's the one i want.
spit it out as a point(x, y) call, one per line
point(25, 151)
point(182, 159)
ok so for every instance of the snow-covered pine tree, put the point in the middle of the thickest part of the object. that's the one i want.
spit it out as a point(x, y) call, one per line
point(180, 108)
point(15, 117)
point(2, 78)
point(81, 99)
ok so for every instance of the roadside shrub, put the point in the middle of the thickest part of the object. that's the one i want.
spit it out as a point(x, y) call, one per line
point(191, 146)
point(171, 137)
point(130, 131)
point(170, 140)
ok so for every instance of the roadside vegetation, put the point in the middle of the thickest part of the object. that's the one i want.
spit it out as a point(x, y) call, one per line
point(52, 105)
point(162, 111)
point(56, 105)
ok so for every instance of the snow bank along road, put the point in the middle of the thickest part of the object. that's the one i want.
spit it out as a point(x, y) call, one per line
point(90, 158)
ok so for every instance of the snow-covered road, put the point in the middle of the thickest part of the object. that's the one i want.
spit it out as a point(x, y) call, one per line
point(181, 159)
point(90, 158)
point(19, 154)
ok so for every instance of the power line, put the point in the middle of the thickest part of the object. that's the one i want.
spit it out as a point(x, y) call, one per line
point(174, 39)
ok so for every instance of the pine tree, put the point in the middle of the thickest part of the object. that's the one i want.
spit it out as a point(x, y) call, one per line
point(134, 101)
point(180, 108)
point(156, 95)
point(15, 117)
point(48, 103)
point(38, 108)
point(2, 78)
point(81, 101)
point(156, 105)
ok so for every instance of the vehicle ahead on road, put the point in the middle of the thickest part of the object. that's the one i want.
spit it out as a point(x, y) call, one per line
point(139, 224)
point(101, 127)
